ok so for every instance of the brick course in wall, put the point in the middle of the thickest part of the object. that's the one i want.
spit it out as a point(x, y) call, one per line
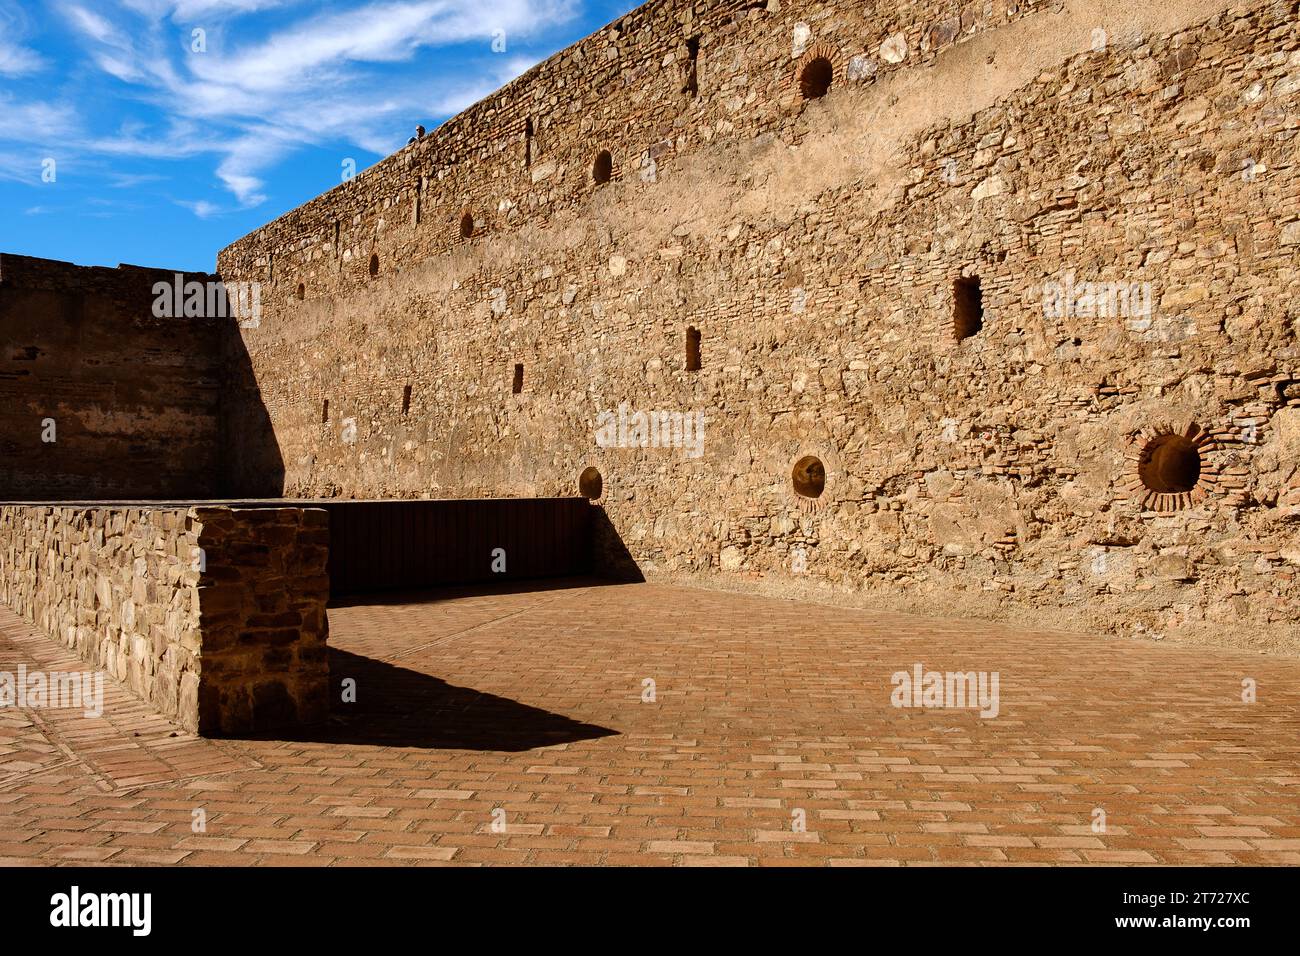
point(980, 160)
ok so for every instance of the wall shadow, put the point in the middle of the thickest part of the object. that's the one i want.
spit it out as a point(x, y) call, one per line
point(115, 384)
point(106, 390)
point(396, 707)
point(251, 463)
point(611, 559)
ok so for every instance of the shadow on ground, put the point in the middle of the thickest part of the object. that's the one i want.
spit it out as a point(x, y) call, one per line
point(396, 707)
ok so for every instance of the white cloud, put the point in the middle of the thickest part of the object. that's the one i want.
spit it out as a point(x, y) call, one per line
point(188, 11)
point(201, 208)
point(133, 180)
point(181, 139)
point(246, 157)
point(36, 122)
point(254, 99)
point(384, 32)
point(18, 167)
point(15, 59)
point(93, 25)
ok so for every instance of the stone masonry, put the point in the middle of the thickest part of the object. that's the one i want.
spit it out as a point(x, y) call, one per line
point(99, 398)
point(214, 615)
point(987, 306)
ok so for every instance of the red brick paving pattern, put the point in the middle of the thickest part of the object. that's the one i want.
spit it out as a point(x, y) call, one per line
point(531, 703)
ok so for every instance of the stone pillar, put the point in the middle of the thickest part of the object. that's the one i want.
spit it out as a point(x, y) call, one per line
point(262, 599)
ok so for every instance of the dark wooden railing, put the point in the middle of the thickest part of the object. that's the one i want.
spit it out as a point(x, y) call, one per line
point(406, 545)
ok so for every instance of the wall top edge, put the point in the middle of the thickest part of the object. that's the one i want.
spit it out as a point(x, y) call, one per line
point(257, 503)
point(450, 132)
point(33, 272)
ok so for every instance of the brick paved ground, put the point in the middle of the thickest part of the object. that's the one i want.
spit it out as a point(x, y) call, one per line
point(531, 704)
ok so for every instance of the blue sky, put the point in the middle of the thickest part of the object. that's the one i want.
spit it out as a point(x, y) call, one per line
point(127, 136)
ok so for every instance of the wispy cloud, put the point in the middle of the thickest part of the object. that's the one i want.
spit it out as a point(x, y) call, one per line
point(36, 121)
point(308, 81)
point(374, 33)
point(16, 59)
point(201, 207)
point(132, 180)
point(191, 11)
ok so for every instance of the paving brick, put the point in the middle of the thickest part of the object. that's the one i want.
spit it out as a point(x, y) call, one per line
point(767, 708)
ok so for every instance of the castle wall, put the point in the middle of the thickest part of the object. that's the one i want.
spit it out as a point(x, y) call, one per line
point(1119, 181)
point(98, 397)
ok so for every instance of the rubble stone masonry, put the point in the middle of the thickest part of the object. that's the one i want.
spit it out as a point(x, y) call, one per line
point(214, 615)
point(989, 306)
point(98, 397)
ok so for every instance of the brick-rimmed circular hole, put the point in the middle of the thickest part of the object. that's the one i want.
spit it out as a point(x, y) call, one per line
point(602, 170)
point(815, 78)
point(374, 264)
point(1170, 464)
point(809, 477)
point(466, 225)
point(590, 484)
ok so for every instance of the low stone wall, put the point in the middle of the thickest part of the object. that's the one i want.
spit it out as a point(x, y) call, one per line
point(214, 615)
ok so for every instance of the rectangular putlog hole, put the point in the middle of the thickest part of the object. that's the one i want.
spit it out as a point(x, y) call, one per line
point(968, 307)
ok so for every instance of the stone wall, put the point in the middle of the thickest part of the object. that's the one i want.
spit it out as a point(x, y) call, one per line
point(98, 397)
point(216, 616)
point(975, 287)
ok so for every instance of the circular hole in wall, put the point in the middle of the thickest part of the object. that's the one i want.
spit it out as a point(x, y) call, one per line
point(1170, 464)
point(602, 170)
point(374, 264)
point(467, 225)
point(809, 477)
point(302, 292)
point(590, 484)
point(815, 78)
